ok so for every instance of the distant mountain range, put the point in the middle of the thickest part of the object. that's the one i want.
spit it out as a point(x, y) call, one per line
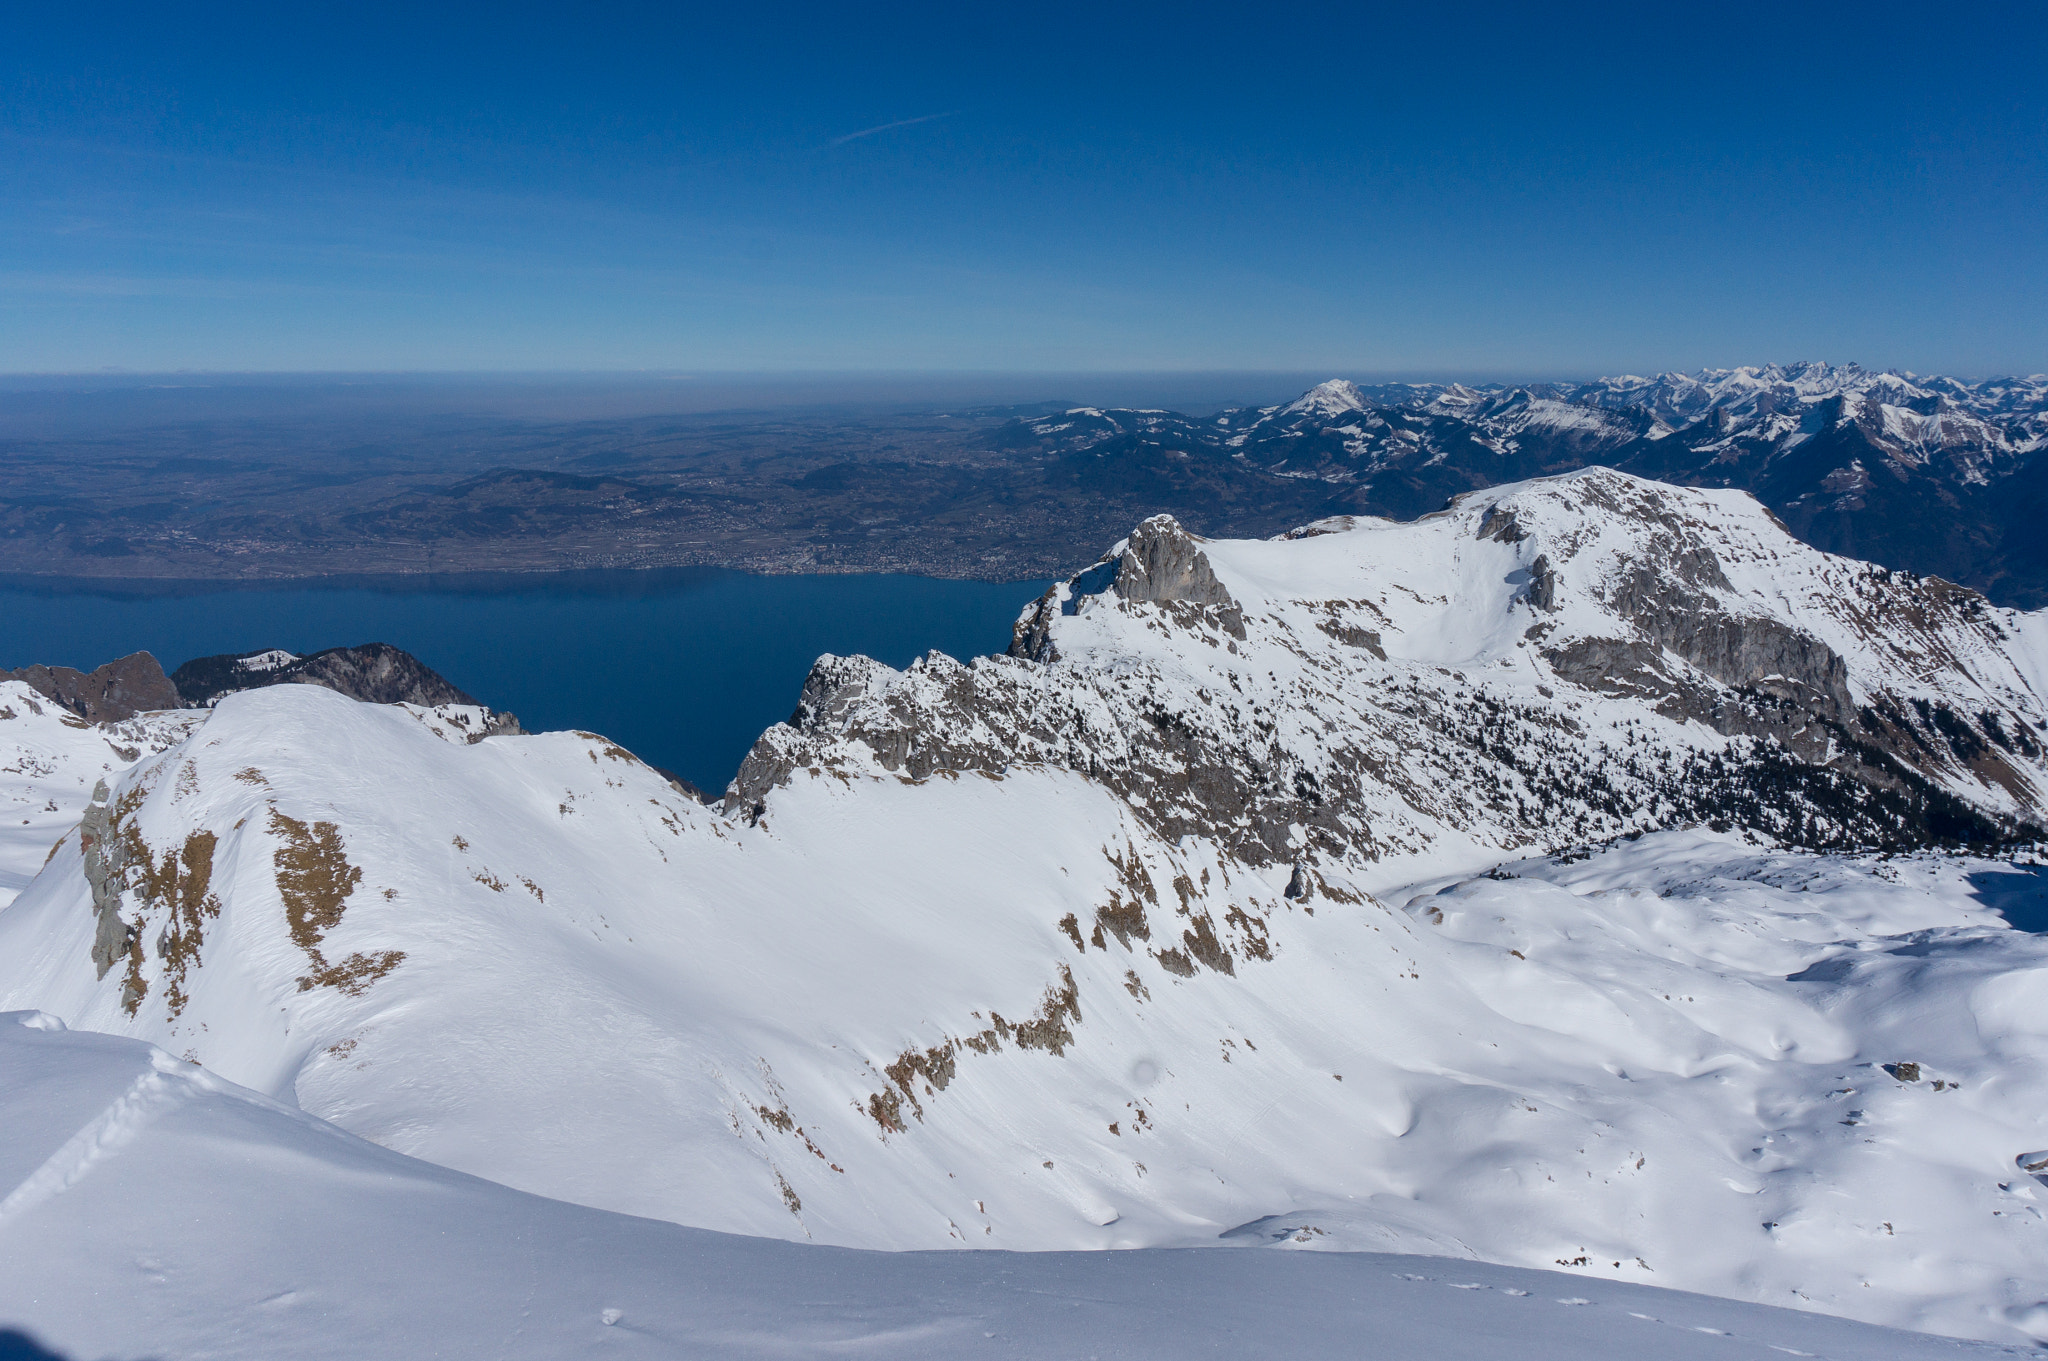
point(1934, 475)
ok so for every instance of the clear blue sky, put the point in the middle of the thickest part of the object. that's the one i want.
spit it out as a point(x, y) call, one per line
point(1400, 188)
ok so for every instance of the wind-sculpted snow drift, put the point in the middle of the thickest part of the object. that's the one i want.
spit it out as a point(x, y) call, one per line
point(1249, 898)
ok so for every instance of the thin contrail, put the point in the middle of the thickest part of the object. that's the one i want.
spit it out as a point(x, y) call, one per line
point(887, 127)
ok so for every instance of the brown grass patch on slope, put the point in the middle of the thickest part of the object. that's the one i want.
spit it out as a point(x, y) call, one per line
point(935, 1068)
point(191, 903)
point(178, 885)
point(315, 880)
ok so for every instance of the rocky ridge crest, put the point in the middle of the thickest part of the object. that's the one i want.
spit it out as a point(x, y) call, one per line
point(108, 693)
point(374, 673)
point(1557, 662)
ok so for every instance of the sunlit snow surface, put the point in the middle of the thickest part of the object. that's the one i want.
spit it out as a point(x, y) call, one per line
point(159, 1211)
point(49, 762)
point(892, 1013)
point(1665, 1055)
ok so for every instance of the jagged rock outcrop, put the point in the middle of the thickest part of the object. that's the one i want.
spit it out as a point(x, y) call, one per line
point(107, 694)
point(1161, 563)
point(375, 673)
point(105, 860)
point(1562, 661)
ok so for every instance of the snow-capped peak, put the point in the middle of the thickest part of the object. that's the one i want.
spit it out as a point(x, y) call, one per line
point(1332, 398)
point(270, 660)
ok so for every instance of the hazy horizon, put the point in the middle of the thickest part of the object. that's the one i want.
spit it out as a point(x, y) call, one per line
point(29, 400)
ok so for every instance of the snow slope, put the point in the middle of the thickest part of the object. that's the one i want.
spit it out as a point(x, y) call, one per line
point(1191, 932)
point(49, 762)
point(155, 1210)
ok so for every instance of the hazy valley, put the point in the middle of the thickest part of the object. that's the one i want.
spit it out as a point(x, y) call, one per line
point(1927, 474)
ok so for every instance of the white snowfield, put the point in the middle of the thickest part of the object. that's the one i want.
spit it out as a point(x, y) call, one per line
point(162, 1212)
point(49, 762)
point(1001, 1009)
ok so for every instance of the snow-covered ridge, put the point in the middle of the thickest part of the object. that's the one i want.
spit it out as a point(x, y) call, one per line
point(1679, 399)
point(1252, 900)
point(2010, 413)
point(1563, 660)
point(267, 661)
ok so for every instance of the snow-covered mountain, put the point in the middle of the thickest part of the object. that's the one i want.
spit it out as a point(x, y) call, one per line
point(1906, 416)
point(1254, 898)
point(1562, 660)
point(1934, 474)
point(2006, 411)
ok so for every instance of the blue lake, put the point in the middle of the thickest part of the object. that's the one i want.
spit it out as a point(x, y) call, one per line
point(685, 667)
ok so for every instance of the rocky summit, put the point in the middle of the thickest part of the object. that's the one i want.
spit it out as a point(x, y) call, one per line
point(107, 694)
point(1552, 662)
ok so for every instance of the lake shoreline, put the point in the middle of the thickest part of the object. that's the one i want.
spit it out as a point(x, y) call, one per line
point(600, 580)
point(684, 667)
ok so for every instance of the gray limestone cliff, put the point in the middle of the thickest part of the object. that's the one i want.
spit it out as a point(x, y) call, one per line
point(1661, 693)
point(1161, 563)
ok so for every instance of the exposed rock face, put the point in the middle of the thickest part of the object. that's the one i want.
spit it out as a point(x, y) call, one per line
point(1554, 663)
point(1771, 677)
point(105, 861)
point(1160, 563)
point(107, 694)
point(375, 673)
